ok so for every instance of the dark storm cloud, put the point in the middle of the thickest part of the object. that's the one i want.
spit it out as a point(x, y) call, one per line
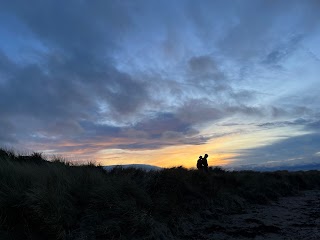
point(75, 76)
point(32, 92)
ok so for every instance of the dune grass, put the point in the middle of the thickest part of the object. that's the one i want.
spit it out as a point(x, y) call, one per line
point(42, 199)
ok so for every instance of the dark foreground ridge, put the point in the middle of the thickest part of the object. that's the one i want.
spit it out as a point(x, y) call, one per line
point(42, 199)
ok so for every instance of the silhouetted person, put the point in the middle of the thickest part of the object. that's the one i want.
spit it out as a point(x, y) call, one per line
point(205, 163)
point(199, 164)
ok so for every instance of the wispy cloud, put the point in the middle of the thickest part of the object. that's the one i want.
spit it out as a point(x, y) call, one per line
point(83, 77)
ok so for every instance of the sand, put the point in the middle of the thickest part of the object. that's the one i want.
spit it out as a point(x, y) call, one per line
point(296, 217)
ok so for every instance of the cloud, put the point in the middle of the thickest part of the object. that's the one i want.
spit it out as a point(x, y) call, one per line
point(74, 76)
point(75, 62)
point(6, 132)
point(205, 68)
point(199, 111)
point(314, 125)
point(297, 150)
point(298, 121)
point(75, 27)
point(259, 23)
point(7, 67)
point(146, 75)
point(283, 50)
point(156, 132)
point(163, 122)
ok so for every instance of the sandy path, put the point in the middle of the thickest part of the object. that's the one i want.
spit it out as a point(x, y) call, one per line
point(296, 217)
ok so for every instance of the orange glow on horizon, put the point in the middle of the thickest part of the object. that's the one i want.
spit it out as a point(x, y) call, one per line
point(222, 151)
point(186, 155)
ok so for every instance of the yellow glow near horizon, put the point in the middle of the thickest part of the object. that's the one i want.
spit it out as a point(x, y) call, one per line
point(222, 151)
point(168, 157)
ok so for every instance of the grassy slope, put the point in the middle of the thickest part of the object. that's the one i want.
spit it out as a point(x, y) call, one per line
point(54, 200)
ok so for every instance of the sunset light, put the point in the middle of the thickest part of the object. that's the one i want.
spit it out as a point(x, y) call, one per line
point(161, 82)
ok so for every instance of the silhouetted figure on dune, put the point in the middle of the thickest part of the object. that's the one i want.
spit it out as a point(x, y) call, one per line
point(205, 163)
point(199, 163)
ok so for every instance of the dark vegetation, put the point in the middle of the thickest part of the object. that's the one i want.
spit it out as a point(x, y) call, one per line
point(42, 199)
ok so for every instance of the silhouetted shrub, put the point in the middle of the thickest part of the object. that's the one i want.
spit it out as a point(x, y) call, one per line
point(57, 200)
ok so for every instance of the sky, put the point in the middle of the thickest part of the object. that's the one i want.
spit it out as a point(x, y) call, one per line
point(162, 82)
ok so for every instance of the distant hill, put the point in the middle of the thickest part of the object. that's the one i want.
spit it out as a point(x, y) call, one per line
point(300, 167)
point(136, 166)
